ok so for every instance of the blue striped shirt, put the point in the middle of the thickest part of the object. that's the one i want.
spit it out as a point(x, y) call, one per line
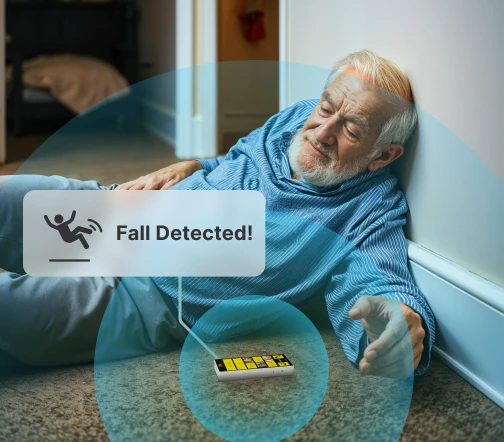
point(341, 243)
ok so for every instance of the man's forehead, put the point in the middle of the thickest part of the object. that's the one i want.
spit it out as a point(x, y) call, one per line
point(362, 94)
point(352, 86)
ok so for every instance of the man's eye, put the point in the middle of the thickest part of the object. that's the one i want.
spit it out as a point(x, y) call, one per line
point(325, 110)
point(350, 132)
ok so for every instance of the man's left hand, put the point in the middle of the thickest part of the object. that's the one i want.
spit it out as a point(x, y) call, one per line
point(396, 335)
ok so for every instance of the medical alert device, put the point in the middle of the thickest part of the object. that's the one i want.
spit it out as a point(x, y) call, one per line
point(253, 367)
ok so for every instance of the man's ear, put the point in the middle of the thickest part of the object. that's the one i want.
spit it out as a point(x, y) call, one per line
point(393, 152)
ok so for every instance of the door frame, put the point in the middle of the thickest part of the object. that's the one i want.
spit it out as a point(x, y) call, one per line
point(196, 79)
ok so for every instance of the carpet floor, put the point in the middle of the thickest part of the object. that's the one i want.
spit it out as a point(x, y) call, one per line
point(141, 399)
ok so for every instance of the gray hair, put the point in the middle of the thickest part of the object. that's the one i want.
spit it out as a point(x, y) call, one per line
point(395, 89)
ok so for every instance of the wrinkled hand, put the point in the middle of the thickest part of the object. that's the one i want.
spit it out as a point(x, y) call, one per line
point(395, 333)
point(163, 179)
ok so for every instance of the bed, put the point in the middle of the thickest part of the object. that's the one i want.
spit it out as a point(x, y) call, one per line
point(107, 32)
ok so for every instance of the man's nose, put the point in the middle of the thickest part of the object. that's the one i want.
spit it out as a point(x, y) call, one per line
point(326, 132)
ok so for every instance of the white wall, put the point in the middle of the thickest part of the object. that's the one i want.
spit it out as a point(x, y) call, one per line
point(453, 53)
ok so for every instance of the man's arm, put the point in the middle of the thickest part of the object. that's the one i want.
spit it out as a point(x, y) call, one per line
point(378, 268)
point(211, 163)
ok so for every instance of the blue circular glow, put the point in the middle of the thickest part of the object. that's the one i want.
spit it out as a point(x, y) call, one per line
point(266, 409)
point(143, 392)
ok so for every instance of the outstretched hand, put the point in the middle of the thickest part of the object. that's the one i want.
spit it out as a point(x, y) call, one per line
point(164, 178)
point(395, 333)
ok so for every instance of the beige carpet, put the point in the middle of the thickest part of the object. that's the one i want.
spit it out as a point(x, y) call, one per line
point(107, 158)
point(144, 401)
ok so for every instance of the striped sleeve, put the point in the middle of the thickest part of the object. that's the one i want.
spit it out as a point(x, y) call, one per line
point(211, 163)
point(377, 267)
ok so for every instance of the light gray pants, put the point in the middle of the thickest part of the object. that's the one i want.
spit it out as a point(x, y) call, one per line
point(50, 321)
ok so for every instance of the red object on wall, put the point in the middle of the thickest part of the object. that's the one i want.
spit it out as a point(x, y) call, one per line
point(251, 13)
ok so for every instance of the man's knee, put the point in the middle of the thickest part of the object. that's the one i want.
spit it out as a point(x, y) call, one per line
point(47, 321)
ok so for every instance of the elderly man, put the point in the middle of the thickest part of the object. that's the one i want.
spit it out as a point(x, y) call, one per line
point(323, 161)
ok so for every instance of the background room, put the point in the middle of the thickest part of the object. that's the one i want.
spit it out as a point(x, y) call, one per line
point(63, 58)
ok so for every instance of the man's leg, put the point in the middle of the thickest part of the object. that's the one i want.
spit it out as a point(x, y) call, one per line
point(47, 321)
point(51, 321)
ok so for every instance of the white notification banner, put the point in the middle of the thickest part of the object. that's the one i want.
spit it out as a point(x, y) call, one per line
point(144, 233)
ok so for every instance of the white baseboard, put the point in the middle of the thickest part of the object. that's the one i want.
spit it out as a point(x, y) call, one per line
point(165, 111)
point(159, 134)
point(482, 386)
point(469, 312)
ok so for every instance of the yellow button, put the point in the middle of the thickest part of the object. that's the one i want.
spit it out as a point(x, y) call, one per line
point(240, 365)
point(283, 364)
point(271, 363)
point(278, 356)
point(251, 365)
point(229, 364)
point(257, 359)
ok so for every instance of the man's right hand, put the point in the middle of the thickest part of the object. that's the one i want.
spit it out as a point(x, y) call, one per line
point(164, 178)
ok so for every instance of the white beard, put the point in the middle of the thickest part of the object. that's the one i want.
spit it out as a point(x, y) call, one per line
point(322, 175)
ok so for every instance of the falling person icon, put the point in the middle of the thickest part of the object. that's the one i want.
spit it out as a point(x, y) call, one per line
point(68, 235)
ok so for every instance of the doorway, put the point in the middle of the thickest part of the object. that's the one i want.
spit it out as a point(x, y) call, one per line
point(248, 71)
point(233, 85)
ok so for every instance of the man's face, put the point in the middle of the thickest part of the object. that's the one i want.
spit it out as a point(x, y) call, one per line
point(336, 141)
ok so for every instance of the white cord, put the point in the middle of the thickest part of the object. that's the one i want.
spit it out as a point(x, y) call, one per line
point(185, 326)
